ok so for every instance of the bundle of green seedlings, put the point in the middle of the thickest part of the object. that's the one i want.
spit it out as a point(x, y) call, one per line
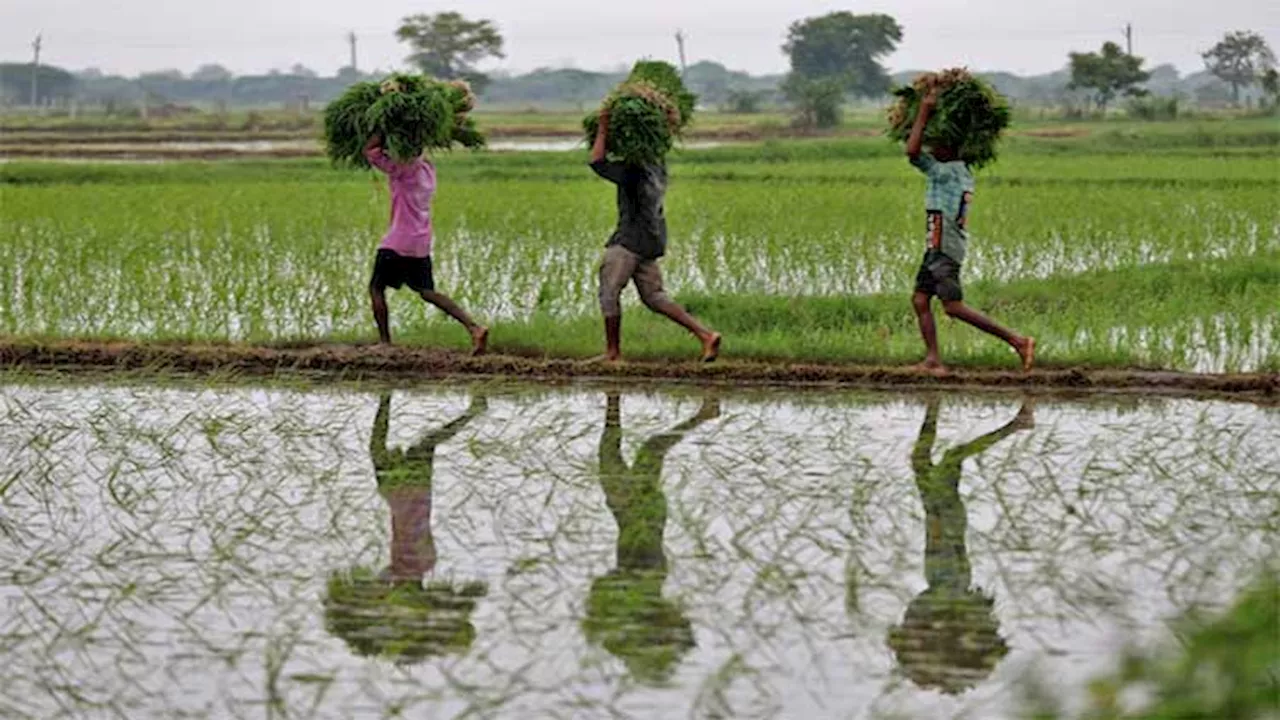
point(647, 113)
point(969, 117)
point(412, 113)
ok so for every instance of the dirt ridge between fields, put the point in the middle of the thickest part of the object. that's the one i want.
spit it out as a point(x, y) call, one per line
point(362, 361)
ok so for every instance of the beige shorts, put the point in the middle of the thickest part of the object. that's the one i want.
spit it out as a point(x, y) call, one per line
point(621, 266)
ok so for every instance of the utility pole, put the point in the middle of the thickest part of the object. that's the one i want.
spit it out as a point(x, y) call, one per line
point(35, 70)
point(680, 44)
point(351, 38)
point(1128, 38)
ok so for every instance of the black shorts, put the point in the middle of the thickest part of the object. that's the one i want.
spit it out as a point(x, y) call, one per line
point(391, 270)
point(939, 275)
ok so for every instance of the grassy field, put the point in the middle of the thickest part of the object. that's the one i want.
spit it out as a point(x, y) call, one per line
point(1130, 245)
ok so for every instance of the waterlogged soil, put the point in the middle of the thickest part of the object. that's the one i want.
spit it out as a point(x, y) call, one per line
point(410, 363)
point(508, 551)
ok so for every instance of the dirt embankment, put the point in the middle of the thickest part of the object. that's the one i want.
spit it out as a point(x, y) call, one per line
point(354, 361)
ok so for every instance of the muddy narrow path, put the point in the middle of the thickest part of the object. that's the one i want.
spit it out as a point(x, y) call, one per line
point(356, 361)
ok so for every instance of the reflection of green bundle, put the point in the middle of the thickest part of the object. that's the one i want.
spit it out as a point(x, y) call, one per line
point(403, 622)
point(970, 115)
point(628, 616)
point(948, 641)
point(647, 113)
point(411, 112)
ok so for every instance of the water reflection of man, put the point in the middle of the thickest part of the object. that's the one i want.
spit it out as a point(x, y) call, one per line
point(950, 638)
point(626, 612)
point(391, 614)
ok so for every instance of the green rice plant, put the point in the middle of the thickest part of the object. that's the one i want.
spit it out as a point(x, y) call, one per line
point(411, 113)
point(647, 114)
point(1160, 260)
point(970, 115)
point(665, 77)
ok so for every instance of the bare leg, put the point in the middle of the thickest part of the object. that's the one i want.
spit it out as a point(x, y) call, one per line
point(378, 296)
point(613, 338)
point(929, 333)
point(1025, 346)
point(710, 339)
point(479, 334)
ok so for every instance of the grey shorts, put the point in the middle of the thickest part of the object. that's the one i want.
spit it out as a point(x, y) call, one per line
point(621, 266)
point(939, 276)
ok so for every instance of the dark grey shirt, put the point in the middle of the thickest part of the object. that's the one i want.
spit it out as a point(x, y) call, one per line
point(642, 220)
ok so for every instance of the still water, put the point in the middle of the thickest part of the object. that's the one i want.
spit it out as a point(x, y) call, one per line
point(505, 551)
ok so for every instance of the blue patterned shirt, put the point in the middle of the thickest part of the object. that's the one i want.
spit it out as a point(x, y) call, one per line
point(946, 202)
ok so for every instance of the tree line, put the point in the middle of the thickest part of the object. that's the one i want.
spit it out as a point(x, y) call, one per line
point(834, 58)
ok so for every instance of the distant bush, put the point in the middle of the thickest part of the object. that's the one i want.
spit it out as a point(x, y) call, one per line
point(1153, 107)
point(743, 102)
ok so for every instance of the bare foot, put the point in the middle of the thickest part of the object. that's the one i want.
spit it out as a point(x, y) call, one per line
point(1026, 419)
point(711, 348)
point(1027, 351)
point(479, 341)
point(932, 367)
point(710, 409)
point(606, 359)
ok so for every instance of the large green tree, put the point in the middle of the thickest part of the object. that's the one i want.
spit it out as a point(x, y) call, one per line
point(1107, 74)
point(836, 54)
point(447, 45)
point(846, 48)
point(1241, 58)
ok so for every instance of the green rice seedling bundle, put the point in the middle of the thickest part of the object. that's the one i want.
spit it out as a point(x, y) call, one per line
point(970, 115)
point(412, 113)
point(647, 114)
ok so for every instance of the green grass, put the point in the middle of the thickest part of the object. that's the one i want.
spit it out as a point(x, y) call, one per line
point(1223, 667)
point(799, 250)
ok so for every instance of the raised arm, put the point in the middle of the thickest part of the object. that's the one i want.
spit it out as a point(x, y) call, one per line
point(374, 153)
point(915, 144)
point(598, 150)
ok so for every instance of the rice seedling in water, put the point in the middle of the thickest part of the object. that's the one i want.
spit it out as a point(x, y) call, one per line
point(197, 592)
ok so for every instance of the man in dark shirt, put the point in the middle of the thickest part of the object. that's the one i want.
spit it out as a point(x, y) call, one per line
point(633, 251)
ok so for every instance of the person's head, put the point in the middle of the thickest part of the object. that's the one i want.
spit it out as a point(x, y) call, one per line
point(949, 641)
point(404, 622)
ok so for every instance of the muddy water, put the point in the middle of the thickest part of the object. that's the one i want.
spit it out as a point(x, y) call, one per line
point(516, 552)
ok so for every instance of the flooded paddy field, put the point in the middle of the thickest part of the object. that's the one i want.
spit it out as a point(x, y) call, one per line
point(516, 551)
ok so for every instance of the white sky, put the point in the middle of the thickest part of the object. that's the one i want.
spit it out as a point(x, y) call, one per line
point(1023, 36)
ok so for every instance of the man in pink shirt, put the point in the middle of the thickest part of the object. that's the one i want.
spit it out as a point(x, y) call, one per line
point(404, 257)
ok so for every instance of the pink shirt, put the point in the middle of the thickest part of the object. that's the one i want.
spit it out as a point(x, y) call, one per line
point(412, 187)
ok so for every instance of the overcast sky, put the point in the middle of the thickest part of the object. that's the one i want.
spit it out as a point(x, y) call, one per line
point(1022, 36)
